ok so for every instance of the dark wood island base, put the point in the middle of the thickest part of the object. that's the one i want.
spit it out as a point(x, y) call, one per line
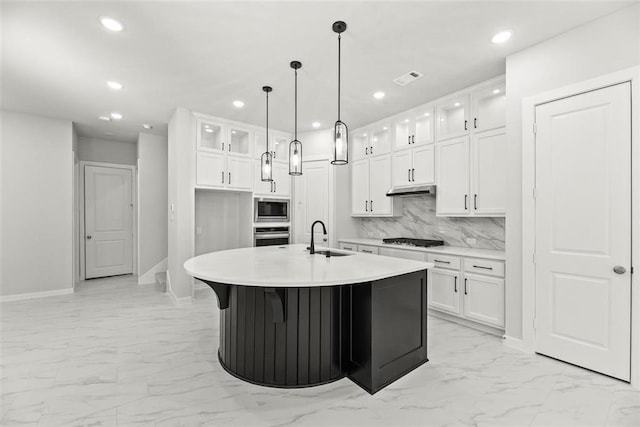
point(373, 332)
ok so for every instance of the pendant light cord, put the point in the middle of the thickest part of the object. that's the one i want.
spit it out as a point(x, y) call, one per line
point(295, 120)
point(267, 138)
point(339, 37)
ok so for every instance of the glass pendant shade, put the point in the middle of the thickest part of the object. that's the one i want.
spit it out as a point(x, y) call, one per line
point(266, 161)
point(295, 157)
point(340, 144)
point(266, 171)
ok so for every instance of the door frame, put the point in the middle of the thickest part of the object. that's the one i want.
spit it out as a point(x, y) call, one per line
point(529, 104)
point(134, 219)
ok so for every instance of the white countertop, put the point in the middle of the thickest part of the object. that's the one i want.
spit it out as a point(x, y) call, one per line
point(449, 250)
point(293, 266)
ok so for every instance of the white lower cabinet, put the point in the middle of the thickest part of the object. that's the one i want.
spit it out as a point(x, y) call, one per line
point(368, 249)
point(470, 288)
point(443, 290)
point(484, 299)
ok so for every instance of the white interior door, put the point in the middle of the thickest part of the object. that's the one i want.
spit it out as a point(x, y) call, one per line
point(312, 201)
point(108, 221)
point(583, 230)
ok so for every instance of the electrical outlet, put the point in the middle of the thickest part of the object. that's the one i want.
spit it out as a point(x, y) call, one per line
point(471, 240)
point(370, 234)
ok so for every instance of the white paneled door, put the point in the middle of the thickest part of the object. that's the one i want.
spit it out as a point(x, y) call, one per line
point(312, 202)
point(108, 221)
point(583, 230)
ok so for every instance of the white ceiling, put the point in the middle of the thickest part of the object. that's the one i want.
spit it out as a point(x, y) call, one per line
point(56, 57)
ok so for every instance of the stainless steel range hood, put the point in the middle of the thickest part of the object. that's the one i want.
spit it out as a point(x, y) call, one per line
point(416, 190)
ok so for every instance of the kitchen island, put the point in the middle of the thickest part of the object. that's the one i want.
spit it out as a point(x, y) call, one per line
point(292, 319)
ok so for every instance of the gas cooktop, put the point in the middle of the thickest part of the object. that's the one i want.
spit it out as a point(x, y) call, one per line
point(413, 242)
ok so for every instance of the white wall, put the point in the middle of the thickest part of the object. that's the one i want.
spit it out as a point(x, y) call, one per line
point(152, 204)
point(107, 151)
point(181, 195)
point(599, 47)
point(37, 200)
point(76, 207)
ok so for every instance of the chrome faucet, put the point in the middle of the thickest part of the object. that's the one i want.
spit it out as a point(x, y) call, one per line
point(312, 248)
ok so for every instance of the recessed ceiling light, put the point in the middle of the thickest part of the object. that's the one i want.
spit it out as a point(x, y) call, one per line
point(385, 128)
point(104, 118)
point(233, 132)
point(238, 104)
point(208, 130)
point(116, 116)
point(496, 91)
point(114, 85)
point(427, 114)
point(501, 37)
point(364, 134)
point(406, 120)
point(457, 104)
point(315, 124)
point(378, 95)
point(147, 126)
point(111, 24)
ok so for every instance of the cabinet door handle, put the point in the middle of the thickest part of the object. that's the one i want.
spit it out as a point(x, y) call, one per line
point(413, 175)
point(413, 139)
point(366, 206)
point(275, 186)
point(222, 177)
point(475, 201)
point(229, 177)
point(371, 150)
point(465, 125)
point(465, 286)
point(409, 175)
point(408, 139)
point(475, 123)
point(482, 267)
point(455, 284)
point(465, 201)
point(443, 262)
point(223, 146)
point(371, 205)
point(229, 147)
point(366, 150)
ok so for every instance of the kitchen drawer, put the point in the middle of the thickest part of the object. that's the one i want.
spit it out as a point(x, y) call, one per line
point(484, 266)
point(400, 253)
point(444, 261)
point(368, 249)
point(349, 247)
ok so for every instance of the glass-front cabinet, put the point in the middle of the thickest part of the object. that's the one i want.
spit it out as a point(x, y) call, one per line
point(210, 136)
point(453, 117)
point(414, 127)
point(360, 144)
point(489, 107)
point(278, 145)
point(380, 142)
point(239, 140)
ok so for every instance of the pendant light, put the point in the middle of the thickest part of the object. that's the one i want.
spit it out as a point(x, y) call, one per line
point(295, 146)
point(266, 161)
point(340, 131)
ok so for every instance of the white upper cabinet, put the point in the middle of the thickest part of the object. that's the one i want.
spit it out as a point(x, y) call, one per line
point(414, 127)
point(414, 166)
point(360, 144)
point(489, 106)
point(380, 139)
point(278, 145)
point(452, 194)
point(210, 136)
point(281, 184)
point(239, 173)
point(210, 169)
point(488, 165)
point(453, 117)
point(370, 182)
point(239, 140)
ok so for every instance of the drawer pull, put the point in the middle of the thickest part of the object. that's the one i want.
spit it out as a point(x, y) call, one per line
point(367, 252)
point(482, 267)
point(443, 262)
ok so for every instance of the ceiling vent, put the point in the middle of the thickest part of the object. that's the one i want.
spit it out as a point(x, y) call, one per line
point(405, 79)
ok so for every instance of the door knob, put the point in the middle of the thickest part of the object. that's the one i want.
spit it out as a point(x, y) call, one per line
point(618, 269)
point(89, 237)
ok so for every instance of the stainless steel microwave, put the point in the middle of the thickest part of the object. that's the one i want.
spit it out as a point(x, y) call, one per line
point(271, 210)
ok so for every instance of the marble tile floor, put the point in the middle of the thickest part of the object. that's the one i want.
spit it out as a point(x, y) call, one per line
point(115, 353)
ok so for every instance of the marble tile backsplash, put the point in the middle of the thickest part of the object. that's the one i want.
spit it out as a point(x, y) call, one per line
point(419, 220)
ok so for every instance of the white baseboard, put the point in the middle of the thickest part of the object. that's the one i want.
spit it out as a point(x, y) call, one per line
point(150, 276)
point(468, 323)
point(515, 343)
point(174, 298)
point(31, 295)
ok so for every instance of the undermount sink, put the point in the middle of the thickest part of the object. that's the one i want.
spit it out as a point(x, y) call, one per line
point(331, 253)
